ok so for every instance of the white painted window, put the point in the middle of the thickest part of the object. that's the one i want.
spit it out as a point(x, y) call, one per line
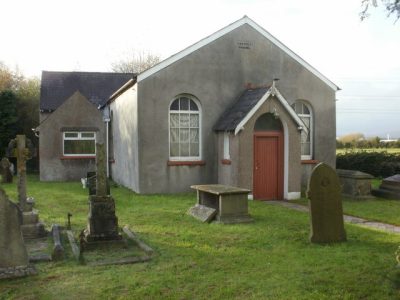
point(185, 129)
point(79, 143)
point(304, 111)
point(226, 146)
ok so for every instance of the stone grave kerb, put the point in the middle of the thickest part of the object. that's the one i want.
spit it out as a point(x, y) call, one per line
point(326, 212)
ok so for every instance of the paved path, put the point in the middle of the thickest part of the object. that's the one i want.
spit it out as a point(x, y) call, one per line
point(348, 219)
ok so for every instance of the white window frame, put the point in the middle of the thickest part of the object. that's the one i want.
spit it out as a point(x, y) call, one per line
point(226, 154)
point(199, 113)
point(79, 138)
point(311, 129)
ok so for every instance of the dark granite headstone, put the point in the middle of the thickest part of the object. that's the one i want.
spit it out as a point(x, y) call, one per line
point(326, 210)
point(14, 261)
point(355, 184)
point(102, 221)
point(5, 168)
point(389, 188)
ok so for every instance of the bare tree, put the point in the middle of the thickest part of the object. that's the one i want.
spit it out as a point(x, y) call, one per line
point(136, 62)
point(392, 7)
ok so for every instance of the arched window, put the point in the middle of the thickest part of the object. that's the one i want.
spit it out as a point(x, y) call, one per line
point(304, 111)
point(184, 128)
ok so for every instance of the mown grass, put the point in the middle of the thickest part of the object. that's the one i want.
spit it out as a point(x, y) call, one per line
point(268, 259)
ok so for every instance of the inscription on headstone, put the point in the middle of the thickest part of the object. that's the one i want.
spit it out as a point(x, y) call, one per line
point(324, 193)
point(14, 261)
point(5, 168)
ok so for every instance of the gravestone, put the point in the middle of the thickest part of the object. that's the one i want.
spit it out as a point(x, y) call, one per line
point(389, 188)
point(5, 167)
point(14, 261)
point(324, 193)
point(22, 149)
point(102, 221)
point(355, 184)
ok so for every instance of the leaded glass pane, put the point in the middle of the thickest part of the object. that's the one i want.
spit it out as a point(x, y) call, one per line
point(174, 151)
point(174, 120)
point(193, 105)
point(184, 149)
point(298, 108)
point(304, 137)
point(184, 120)
point(194, 120)
point(194, 135)
point(184, 135)
point(194, 149)
point(306, 121)
point(184, 103)
point(305, 149)
point(306, 111)
point(174, 135)
point(175, 105)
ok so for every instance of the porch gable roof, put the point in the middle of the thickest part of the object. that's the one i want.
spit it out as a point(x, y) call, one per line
point(235, 118)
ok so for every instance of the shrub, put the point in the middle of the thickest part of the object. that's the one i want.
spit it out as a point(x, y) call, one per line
point(378, 164)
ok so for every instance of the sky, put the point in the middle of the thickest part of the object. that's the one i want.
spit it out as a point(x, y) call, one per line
point(362, 58)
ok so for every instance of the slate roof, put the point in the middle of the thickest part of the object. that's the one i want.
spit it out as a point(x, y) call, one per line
point(233, 115)
point(97, 87)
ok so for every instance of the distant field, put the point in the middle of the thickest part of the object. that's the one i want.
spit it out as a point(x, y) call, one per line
point(388, 150)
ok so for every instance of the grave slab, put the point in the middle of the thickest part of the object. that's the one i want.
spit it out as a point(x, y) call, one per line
point(203, 213)
point(389, 188)
point(355, 184)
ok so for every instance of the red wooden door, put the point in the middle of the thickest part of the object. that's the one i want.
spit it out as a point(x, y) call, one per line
point(268, 165)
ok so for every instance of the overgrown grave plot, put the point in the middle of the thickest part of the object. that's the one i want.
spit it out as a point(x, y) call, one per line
point(129, 250)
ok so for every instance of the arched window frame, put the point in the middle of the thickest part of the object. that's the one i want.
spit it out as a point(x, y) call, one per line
point(304, 116)
point(190, 112)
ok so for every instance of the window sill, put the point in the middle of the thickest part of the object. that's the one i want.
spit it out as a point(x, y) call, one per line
point(77, 157)
point(309, 162)
point(186, 163)
point(226, 161)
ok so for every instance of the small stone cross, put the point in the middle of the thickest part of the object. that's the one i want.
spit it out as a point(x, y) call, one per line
point(18, 148)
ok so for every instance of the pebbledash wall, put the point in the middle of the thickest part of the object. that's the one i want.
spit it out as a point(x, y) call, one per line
point(216, 74)
point(75, 114)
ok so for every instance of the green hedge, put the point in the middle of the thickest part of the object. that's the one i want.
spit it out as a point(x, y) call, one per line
point(378, 164)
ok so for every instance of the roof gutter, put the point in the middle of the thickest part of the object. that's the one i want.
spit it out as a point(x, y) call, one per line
point(120, 91)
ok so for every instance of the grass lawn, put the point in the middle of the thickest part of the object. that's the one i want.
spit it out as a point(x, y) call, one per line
point(268, 259)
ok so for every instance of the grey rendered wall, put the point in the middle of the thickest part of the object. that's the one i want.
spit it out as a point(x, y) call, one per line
point(77, 111)
point(228, 173)
point(125, 139)
point(217, 74)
